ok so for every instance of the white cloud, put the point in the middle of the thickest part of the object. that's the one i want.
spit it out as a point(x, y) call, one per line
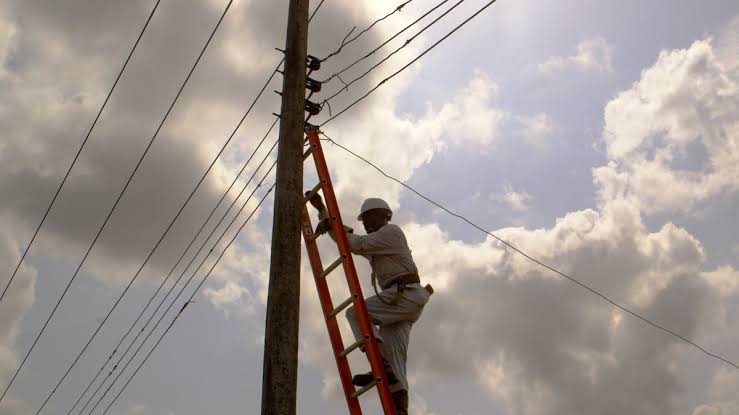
point(515, 199)
point(537, 129)
point(509, 312)
point(560, 341)
point(677, 128)
point(229, 295)
point(535, 340)
point(723, 392)
point(591, 55)
point(725, 278)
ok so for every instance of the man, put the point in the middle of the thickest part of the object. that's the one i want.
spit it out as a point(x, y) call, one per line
point(402, 299)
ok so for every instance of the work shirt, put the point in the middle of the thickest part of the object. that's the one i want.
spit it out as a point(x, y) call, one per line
point(386, 249)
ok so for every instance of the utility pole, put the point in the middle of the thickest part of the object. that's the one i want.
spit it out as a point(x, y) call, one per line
point(280, 373)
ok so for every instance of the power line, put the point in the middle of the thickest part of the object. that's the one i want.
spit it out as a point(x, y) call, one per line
point(351, 65)
point(315, 10)
point(488, 4)
point(120, 196)
point(84, 141)
point(527, 256)
point(184, 271)
point(184, 286)
point(166, 231)
point(346, 42)
point(186, 303)
point(156, 246)
point(191, 242)
point(406, 43)
point(151, 299)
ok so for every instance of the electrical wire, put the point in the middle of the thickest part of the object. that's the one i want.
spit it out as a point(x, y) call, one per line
point(183, 288)
point(346, 42)
point(120, 196)
point(156, 246)
point(488, 4)
point(536, 261)
point(189, 301)
point(406, 43)
point(191, 242)
point(370, 53)
point(161, 303)
point(184, 253)
point(76, 156)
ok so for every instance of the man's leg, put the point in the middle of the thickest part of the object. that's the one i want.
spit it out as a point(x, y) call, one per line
point(400, 398)
point(366, 378)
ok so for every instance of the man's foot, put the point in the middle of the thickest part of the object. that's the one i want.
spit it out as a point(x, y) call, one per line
point(365, 379)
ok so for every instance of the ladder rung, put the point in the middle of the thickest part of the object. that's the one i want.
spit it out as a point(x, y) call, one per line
point(313, 192)
point(364, 389)
point(352, 348)
point(341, 306)
point(332, 267)
point(308, 152)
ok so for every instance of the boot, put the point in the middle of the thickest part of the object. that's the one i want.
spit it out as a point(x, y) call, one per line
point(365, 379)
point(401, 402)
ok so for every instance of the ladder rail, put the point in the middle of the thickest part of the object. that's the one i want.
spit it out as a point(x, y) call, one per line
point(332, 325)
point(366, 326)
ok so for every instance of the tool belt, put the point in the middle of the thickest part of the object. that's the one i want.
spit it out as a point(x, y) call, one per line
point(403, 280)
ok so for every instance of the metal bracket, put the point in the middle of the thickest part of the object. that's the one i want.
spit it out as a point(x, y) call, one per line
point(312, 107)
point(311, 128)
point(314, 63)
point(313, 85)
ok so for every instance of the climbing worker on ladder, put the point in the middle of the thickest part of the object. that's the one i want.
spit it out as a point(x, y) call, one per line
point(402, 299)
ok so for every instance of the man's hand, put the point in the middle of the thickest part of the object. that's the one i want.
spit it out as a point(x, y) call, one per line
point(316, 201)
point(322, 227)
point(325, 226)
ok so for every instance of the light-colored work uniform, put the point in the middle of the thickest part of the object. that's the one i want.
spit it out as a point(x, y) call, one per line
point(390, 258)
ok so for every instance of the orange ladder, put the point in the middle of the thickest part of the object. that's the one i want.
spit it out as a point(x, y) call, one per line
point(356, 298)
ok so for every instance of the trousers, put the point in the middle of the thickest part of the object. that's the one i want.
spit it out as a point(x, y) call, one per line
point(392, 324)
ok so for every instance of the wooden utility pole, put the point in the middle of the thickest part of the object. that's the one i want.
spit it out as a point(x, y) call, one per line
point(280, 376)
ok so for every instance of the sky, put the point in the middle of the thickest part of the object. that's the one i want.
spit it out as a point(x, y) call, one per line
point(601, 138)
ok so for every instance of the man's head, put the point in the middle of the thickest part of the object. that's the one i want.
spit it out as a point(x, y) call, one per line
point(374, 214)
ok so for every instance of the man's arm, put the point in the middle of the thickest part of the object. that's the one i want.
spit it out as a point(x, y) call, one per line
point(375, 243)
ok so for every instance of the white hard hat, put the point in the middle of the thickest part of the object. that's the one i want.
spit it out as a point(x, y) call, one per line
point(374, 203)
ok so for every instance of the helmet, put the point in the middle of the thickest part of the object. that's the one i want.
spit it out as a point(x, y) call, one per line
point(375, 203)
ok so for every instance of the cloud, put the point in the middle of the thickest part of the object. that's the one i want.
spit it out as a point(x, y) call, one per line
point(677, 128)
point(540, 344)
point(509, 312)
point(591, 55)
point(229, 295)
point(537, 129)
point(16, 302)
point(563, 340)
point(725, 278)
point(516, 200)
point(723, 393)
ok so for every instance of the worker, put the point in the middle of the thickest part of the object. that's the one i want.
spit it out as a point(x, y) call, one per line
point(402, 299)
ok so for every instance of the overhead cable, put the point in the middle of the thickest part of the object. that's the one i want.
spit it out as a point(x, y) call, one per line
point(156, 246)
point(536, 261)
point(213, 247)
point(315, 10)
point(171, 288)
point(76, 156)
point(346, 39)
point(406, 43)
point(171, 271)
point(488, 4)
point(370, 53)
point(118, 199)
point(189, 301)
